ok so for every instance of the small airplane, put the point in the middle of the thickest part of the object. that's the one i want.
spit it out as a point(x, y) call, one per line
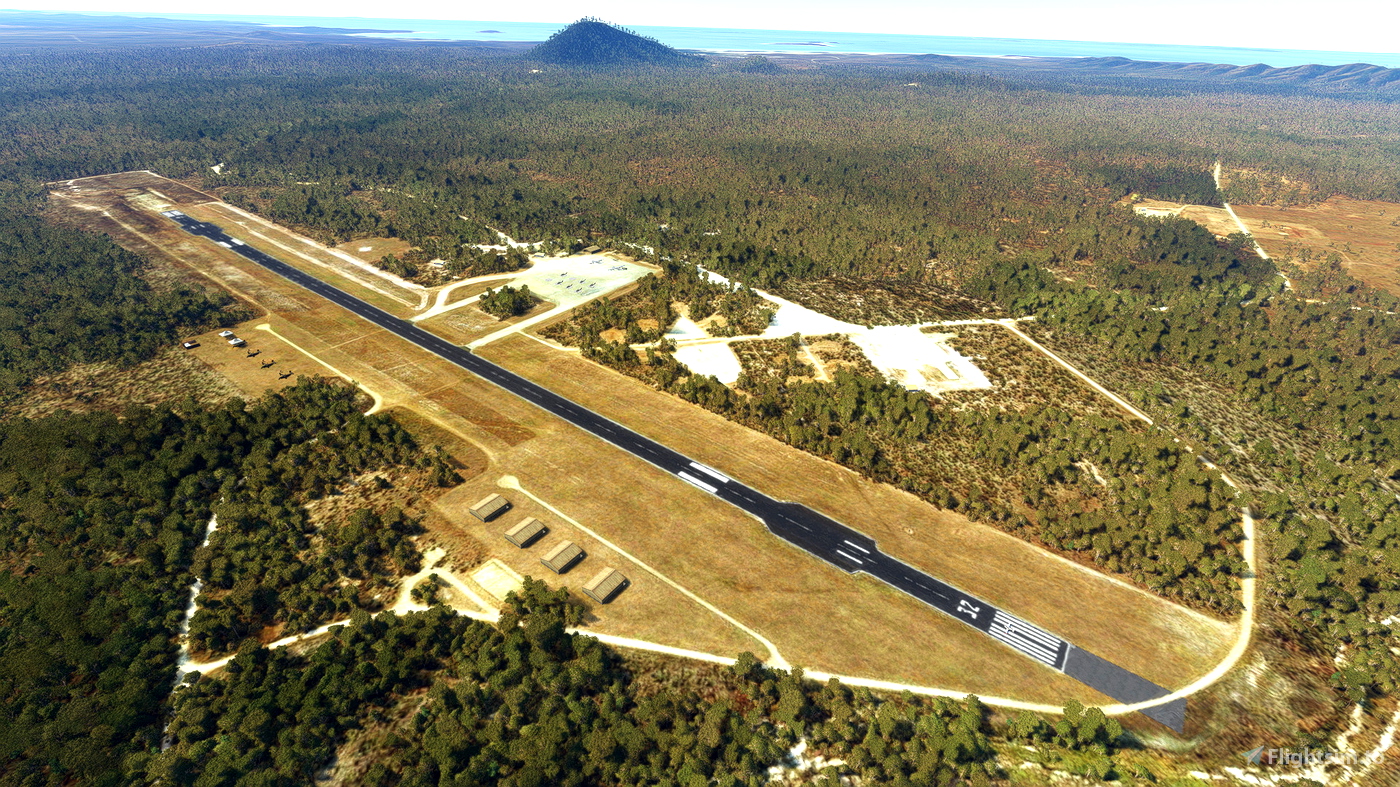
point(254, 353)
point(285, 375)
point(268, 363)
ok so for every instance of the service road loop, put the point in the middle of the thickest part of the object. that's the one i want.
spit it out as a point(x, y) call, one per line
point(823, 537)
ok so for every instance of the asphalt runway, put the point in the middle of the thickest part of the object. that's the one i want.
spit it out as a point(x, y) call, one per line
point(825, 538)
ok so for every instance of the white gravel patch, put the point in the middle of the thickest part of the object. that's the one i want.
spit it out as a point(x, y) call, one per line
point(903, 353)
point(713, 359)
point(570, 281)
point(918, 360)
point(686, 328)
point(795, 318)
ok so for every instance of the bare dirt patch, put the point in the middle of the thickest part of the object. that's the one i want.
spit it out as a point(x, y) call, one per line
point(1217, 220)
point(459, 401)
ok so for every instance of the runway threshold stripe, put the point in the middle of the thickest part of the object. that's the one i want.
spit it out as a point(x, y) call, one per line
point(857, 560)
point(711, 472)
point(1026, 629)
point(693, 481)
point(1034, 651)
point(1028, 639)
point(857, 546)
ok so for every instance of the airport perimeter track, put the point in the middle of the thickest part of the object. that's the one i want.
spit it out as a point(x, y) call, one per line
point(815, 533)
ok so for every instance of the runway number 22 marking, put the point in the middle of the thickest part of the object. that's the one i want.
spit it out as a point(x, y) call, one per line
point(970, 610)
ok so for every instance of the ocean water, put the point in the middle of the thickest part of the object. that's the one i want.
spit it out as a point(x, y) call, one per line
point(715, 39)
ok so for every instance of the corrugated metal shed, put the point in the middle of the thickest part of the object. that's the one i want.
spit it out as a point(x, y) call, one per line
point(525, 533)
point(490, 507)
point(561, 558)
point(605, 584)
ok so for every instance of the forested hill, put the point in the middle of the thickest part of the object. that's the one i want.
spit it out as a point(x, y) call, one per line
point(1361, 79)
point(589, 42)
point(1350, 75)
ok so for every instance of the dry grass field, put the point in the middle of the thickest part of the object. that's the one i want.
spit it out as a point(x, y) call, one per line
point(648, 609)
point(817, 615)
point(1365, 233)
point(372, 250)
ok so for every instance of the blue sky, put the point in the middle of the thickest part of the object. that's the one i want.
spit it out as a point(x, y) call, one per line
point(1340, 25)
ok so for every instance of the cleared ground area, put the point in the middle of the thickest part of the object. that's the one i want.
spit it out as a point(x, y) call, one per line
point(1366, 234)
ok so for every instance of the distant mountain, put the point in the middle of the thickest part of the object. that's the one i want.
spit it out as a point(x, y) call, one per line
point(1354, 78)
point(1350, 75)
point(589, 42)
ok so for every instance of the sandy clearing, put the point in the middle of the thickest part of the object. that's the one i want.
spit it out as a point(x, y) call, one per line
point(904, 354)
point(498, 579)
point(686, 329)
point(919, 361)
point(712, 359)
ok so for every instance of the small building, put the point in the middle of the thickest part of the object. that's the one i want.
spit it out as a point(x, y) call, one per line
point(236, 342)
point(490, 507)
point(225, 334)
point(605, 584)
point(563, 557)
point(525, 533)
point(592, 250)
point(189, 345)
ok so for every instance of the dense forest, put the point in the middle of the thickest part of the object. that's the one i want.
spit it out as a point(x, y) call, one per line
point(446, 700)
point(67, 297)
point(940, 193)
point(100, 525)
point(507, 301)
